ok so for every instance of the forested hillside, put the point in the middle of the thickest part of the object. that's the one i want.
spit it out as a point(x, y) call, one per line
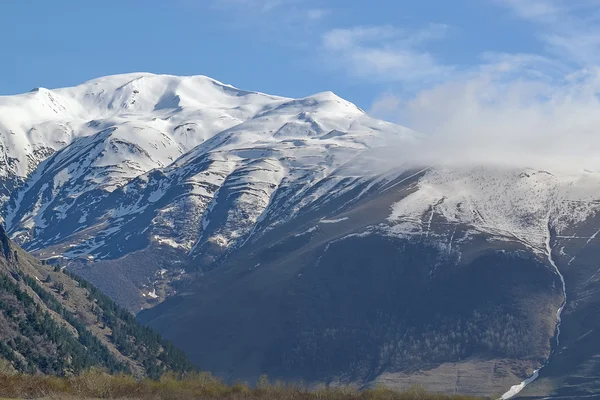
point(52, 322)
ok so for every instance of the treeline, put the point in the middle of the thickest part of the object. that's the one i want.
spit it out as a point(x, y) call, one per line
point(37, 343)
point(132, 339)
point(34, 341)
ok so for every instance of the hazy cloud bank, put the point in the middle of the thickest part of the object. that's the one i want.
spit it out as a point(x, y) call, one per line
point(524, 110)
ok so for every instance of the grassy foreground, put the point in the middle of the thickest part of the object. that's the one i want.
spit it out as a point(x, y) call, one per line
point(95, 384)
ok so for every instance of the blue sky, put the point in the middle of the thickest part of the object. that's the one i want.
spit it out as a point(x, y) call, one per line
point(379, 54)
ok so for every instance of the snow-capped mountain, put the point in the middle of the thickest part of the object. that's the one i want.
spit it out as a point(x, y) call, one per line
point(186, 165)
point(36, 124)
point(242, 145)
point(121, 126)
point(247, 212)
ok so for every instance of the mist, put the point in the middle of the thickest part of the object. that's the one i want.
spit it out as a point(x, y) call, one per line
point(496, 117)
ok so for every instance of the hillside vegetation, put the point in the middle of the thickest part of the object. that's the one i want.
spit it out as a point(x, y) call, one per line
point(54, 323)
point(98, 385)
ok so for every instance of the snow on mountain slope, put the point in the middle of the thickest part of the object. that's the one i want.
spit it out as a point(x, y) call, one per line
point(200, 166)
point(100, 162)
point(512, 203)
point(203, 167)
point(188, 163)
point(188, 110)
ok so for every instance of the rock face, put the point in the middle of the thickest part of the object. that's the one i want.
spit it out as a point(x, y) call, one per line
point(284, 244)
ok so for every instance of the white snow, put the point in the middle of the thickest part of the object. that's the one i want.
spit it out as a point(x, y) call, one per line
point(114, 133)
point(309, 230)
point(333, 221)
point(562, 279)
point(505, 202)
point(516, 389)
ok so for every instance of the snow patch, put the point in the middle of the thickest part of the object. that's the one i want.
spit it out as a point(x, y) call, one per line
point(516, 389)
point(333, 221)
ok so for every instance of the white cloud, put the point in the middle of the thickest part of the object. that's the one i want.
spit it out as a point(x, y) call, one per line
point(386, 106)
point(528, 110)
point(385, 53)
point(570, 29)
point(492, 116)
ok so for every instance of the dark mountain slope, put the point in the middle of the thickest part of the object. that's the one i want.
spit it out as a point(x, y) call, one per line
point(574, 370)
point(52, 322)
point(342, 299)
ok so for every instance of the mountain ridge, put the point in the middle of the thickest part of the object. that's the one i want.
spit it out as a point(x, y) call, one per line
point(184, 151)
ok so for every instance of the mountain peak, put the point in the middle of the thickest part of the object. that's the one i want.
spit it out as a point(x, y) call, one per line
point(326, 97)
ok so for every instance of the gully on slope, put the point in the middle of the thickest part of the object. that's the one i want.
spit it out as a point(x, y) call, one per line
point(516, 389)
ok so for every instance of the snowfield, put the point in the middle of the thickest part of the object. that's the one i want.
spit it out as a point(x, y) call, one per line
point(505, 202)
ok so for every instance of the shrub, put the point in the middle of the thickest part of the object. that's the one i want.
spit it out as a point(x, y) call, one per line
point(97, 384)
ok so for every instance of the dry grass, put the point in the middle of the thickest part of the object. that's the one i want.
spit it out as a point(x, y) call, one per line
point(95, 384)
